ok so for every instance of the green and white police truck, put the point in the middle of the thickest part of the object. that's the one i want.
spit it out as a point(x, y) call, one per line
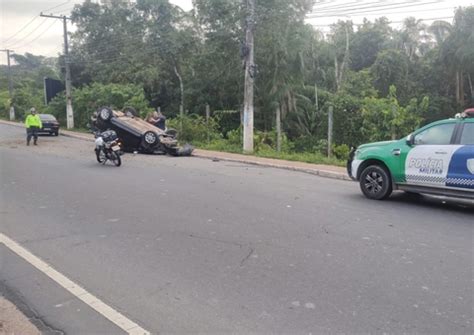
point(436, 159)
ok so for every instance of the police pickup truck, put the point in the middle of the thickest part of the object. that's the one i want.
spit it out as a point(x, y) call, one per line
point(436, 159)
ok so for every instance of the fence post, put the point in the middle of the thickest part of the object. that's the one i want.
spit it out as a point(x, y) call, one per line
point(208, 115)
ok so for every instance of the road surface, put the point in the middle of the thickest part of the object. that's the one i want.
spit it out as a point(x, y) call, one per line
point(188, 245)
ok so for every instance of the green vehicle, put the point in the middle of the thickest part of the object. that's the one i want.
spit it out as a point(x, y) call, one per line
point(436, 159)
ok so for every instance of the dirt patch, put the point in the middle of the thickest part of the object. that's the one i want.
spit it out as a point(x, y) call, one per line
point(12, 321)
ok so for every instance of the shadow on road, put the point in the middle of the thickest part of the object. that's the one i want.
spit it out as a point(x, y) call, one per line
point(427, 201)
point(422, 201)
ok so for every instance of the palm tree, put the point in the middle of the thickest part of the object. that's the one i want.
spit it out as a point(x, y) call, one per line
point(414, 37)
point(440, 31)
point(457, 52)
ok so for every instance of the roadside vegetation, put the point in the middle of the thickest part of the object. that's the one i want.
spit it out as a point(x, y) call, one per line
point(380, 81)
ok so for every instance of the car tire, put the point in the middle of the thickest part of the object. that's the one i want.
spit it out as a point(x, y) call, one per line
point(56, 133)
point(105, 114)
point(375, 182)
point(149, 139)
point(130, 111)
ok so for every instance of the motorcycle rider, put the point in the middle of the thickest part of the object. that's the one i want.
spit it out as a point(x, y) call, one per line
point(32, 124)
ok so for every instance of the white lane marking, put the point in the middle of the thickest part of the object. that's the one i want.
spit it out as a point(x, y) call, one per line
point(95, 303)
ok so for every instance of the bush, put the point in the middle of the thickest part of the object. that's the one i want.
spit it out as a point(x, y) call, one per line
point(88, 99)
point(341, 151)
point(194, 129)
point(4, 104)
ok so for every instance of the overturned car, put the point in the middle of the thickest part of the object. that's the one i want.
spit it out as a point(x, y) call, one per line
point(138, 135)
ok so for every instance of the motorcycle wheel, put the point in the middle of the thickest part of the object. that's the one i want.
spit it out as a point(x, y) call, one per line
point(115, 158)
point(100, 154)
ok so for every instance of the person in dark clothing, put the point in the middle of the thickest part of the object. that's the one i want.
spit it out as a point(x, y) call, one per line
point(161, 122)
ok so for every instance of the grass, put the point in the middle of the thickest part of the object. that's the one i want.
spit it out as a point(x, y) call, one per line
point(306, 157)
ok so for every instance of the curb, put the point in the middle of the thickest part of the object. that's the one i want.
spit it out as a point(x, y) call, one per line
point(316, 172)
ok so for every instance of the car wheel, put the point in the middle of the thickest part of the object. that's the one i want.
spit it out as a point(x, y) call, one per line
point(56, 133)
point(150, 138)
point(375, 182)
point(105, 114)
point(130, 111)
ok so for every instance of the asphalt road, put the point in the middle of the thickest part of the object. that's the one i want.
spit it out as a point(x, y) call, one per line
point(187, 245)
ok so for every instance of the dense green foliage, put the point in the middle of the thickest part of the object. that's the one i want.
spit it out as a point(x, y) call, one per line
point(382, 82)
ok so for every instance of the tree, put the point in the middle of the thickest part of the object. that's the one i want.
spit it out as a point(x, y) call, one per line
point(341, 34)
point(414, 38)
point(385, 119)
point(391, 68)
point(457, 53)
point(368, 41)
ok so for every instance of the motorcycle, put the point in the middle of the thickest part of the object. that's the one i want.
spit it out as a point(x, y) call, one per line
point(107, 147)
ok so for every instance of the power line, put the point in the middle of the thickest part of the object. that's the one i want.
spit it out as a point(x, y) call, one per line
point(19, 31)
point(411, 11)
point(30, 22)
point(37, 37)
point(391, 22)
point(25, 37)
point(372, 9)
point(60, 5)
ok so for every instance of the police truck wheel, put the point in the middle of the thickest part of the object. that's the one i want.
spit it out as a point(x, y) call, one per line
point(375, 182)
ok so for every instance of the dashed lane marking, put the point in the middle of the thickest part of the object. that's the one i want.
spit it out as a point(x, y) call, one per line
point(95, 303)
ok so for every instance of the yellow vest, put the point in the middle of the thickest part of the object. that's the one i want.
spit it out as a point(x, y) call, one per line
point(33, 121)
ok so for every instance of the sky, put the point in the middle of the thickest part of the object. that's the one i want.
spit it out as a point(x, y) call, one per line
point(23, 30)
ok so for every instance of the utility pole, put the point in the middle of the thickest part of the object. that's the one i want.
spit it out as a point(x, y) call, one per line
point(69, 110)
point(10, 85)
point(330, 129)
point(250, 73)
point(278, 127)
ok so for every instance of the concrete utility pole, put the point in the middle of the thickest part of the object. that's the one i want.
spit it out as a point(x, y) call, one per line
point(69, 110)
point(249, 77)
point(10, 85)
point(330, 128)
point(278, 127)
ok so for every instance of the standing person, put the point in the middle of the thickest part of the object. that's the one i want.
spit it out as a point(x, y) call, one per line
point(157, 119)
point(32, 124)
point(161, 120)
